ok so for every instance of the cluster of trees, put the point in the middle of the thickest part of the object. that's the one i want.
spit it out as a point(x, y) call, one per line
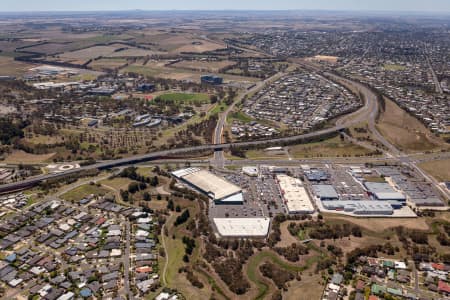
point(321, 231)
point(335, 250)
point(238, 152)
point(10, 130)
point(275, 235)
point(171, 206)
point(416, 236)
point(230, 271)
point(278, 275)
point(227, 258)
point(135, 187)
point(194, 133)
point(293, 252)
point(443, 237)
point(325, 263)
point(189, 246)
point(131, 173)
point(193, 279)
point(182, 218)
point(354, 255)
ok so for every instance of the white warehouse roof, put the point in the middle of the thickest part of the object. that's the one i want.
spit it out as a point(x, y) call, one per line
point(295, 195)
point(242, 227)
point(208, 183)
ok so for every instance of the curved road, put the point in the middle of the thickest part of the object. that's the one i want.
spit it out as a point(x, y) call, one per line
point(219, 158)
point(366, 113)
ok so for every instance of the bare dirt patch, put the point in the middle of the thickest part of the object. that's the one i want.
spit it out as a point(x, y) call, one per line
point(326, 58)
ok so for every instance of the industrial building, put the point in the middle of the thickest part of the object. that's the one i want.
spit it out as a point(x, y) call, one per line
point(93, 123)
point(427, 202)
point(211, 79)
point(242, 227)
point(383, 191)
point(216, 188)
point(102, 91)
point(325, 192)
point(295, 195)
point(360, 207)
point(146, 87)
point(315, 175)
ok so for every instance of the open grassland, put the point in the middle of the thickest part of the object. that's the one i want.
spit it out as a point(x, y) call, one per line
point(91, 52)
point(83, 191)
point(118, 183)
point(186, 43)
point(439, 169)
point(334, 147)
point(43, 139)
point(405, 131)
point(157, 70)
point(380, 224)
point(21, 157)
point(110, 51)
point(239, 116)
point(262, 155)
point(203, 66)
point(10, 67)
point(310, 287)
point(107, 63)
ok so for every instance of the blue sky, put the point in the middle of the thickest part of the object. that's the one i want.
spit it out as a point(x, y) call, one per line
point(86, 5)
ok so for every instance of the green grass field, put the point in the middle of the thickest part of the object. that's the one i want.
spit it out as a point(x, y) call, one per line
point(239, 116)
point(83, 191)
point(184, 98)
point(393, 67)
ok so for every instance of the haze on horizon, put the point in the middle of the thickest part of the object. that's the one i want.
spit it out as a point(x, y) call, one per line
point(111, 5)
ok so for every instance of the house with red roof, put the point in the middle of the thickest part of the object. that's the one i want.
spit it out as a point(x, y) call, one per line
point(443, 287)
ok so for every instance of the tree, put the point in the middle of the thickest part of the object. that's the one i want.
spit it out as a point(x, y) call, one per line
point(125, 195)
point(213, 99)
point(142, 186)
point(170, 205)
point(182, 218)
point(154, 181)
point(10, 131)
point(146, 196)
point(133, 187)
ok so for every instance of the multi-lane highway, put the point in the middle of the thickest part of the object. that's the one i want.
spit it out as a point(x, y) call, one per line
point(367, 113)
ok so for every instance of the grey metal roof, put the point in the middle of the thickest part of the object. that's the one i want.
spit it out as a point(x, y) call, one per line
point(325, 191)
